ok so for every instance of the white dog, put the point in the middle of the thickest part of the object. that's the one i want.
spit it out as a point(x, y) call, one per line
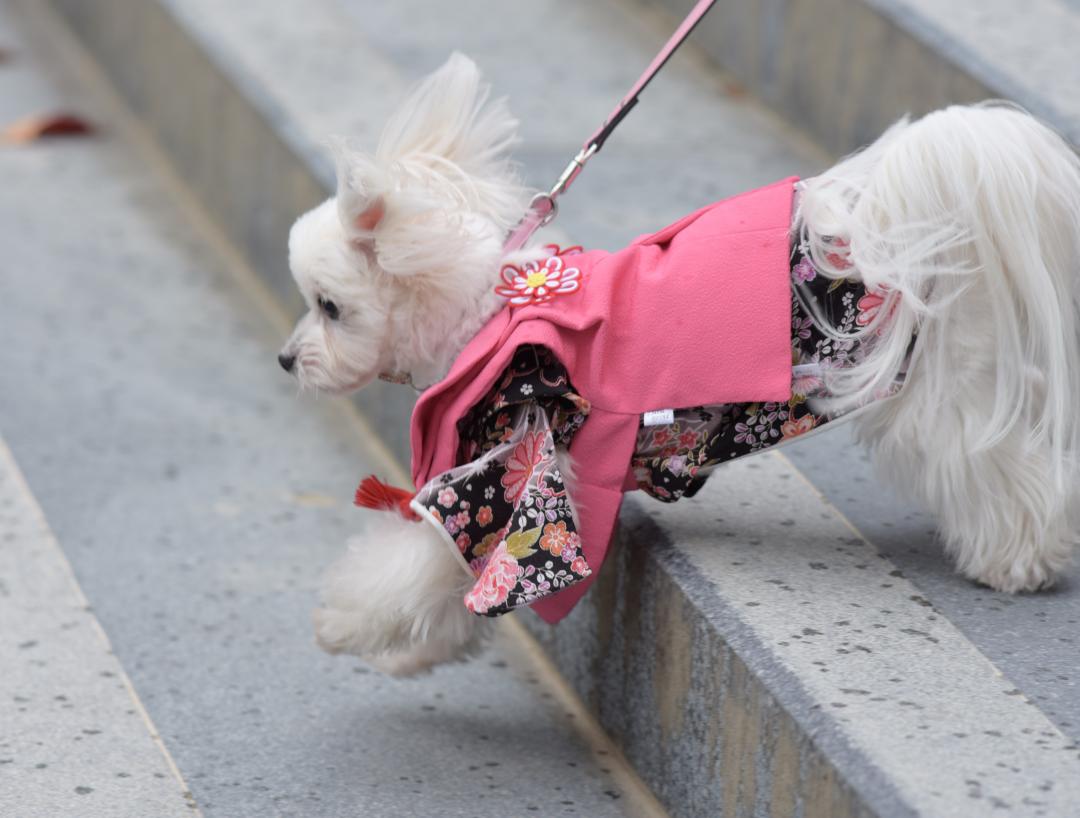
point(966, 222)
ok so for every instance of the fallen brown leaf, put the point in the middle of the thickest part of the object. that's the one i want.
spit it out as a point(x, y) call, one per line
point(38, 126)
point(734, 89)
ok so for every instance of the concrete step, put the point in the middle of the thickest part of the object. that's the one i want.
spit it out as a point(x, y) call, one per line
point(198, 500)
point(846, 69)
point(734, 654)
point(75, 735)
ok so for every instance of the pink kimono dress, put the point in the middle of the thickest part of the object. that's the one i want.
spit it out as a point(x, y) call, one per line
point(703, 342)
point(696, 315)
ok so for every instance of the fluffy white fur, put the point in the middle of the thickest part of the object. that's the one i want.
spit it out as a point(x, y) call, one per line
point(969, 218)
point(403, 249)
point(396, 598)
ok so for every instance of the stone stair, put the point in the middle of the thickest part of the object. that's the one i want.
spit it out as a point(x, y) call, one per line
point(817, 660)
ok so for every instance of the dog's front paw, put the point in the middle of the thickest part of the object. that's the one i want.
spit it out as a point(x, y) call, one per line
point(1018, 577)
point(402, 665)
point(424, 656)
point(335, 630)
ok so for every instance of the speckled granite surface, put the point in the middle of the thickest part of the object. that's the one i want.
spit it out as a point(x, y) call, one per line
point(74, 739)
point(847, 69)
point(714, 691)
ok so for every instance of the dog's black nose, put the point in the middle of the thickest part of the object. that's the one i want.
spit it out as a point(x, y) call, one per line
point(286, 361)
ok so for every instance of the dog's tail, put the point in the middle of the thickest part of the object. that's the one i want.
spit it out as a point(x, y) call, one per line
point(968, 223)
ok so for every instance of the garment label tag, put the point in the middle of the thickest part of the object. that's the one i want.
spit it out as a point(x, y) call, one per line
point(661, 417)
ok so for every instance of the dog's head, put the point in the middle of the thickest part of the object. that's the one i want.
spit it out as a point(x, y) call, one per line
point(397, 269)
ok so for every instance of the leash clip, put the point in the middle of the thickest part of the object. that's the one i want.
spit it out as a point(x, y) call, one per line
point(577, 164)
point(544, 207)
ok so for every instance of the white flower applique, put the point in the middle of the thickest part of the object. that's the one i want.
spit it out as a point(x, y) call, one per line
point(537, 282)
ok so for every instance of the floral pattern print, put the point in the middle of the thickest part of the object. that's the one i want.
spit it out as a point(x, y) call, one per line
point(803, 270)
point(506, 506)
point(498, 577)
point(524, 458)
point(537, 282)
point(521, 543)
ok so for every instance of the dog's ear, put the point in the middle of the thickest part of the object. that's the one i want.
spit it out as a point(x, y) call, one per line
point(361, 206)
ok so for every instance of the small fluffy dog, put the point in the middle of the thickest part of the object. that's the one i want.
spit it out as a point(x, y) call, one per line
point(963, 227)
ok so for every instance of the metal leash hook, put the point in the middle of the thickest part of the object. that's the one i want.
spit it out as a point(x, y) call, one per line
point(547, 204)
point(577, 164)
point(544, 206)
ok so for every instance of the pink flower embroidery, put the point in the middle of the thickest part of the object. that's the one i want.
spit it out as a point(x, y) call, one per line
point(794, 428)
point(484, 516)
point(839, 260)
point(580, 567)
point(495, 582)
point(463, 541)
point(688, 439)
point(869, 305)
point(662, 436)
point(519, 466)
point(447, 497)
point(537, 282)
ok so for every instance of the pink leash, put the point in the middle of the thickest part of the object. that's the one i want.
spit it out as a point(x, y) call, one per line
point(544, 207)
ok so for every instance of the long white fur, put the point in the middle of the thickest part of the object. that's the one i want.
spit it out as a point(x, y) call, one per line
point(969, 218)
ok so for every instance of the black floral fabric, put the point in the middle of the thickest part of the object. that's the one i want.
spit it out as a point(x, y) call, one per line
point(505, 506)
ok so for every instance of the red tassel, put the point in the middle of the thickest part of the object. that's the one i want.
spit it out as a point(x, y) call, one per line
point(373, 493)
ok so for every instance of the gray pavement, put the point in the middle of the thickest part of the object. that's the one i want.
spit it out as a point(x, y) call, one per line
point(853, 647)
point(1033, 639)
point(846, 70)
point(240, 712)
point(74, 737)
point(198, 498)
point(1024, 51)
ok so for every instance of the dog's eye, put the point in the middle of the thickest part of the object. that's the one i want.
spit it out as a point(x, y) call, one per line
point(330, 308)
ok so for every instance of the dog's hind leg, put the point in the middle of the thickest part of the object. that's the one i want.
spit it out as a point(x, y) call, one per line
point(968, 223)
point(1002, 520)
